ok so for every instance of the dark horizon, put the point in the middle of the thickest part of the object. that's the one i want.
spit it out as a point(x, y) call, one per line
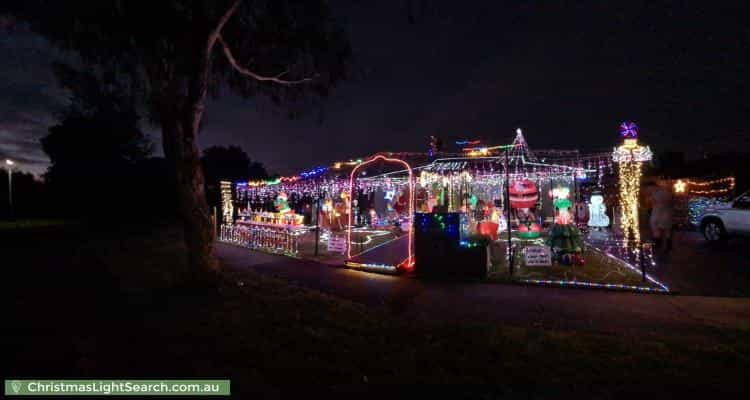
point(566, 74)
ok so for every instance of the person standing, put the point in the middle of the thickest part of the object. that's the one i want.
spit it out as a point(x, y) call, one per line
point(660, 219)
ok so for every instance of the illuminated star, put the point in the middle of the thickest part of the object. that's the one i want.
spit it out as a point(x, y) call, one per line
point(679, 186)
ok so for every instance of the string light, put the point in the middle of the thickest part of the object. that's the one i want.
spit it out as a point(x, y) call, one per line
point(729, 179)
point(481, 175)
point(712, 192)
point(227, 208)
point(630, 182)
point(410, 258)
point(629, 156)
point(696, 207)
point(707, 184)
point(595, 285)
point(371, 266)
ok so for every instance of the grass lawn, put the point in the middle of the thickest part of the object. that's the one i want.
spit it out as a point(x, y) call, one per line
point(105, 304)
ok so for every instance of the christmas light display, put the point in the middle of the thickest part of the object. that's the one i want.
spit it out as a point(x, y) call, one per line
point(313, 172)
point(410, 257)
point(564, 238)
point(373, 267)
point(716, 187)
point(629, 158)
point(562, 204)
point(282, 203)
point(623, 253)
point(595, 285)
point(498, 217)
point(697, 207)
point(463, 143)
point(523, 195)
point(597, 212)
point(269, 238)
point(434, 147)
point(369, 234)
point(629, 130)
point(473, 184)
point(227, 209)
point(680, 186)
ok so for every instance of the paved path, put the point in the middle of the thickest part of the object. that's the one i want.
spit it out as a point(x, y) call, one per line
point(516, 305)
point(392, 253)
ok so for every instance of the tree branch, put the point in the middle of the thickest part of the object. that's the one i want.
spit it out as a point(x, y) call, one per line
point(216, 33)
point(257, 77)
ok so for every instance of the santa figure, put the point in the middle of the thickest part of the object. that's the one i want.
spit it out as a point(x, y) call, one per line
point(523, 196)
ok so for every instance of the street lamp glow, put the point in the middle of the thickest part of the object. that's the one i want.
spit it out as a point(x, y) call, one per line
point(518, 131)
point(10, 163)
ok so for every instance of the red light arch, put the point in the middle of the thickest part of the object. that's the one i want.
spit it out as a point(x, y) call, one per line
point(410, 259)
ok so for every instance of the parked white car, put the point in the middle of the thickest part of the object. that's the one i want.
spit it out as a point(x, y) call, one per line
point(722, 220)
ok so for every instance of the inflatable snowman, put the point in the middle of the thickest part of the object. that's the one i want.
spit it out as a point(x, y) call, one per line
point(597, 216)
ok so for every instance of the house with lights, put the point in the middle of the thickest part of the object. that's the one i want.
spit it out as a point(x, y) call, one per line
point(527, 213)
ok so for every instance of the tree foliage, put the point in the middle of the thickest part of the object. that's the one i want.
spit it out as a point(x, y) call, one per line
point(99, 128)
point(95, 147)
point(230, 163)
point(157, 45)
point(174, 53)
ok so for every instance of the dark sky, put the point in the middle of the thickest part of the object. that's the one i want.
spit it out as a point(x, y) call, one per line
point(567, 72)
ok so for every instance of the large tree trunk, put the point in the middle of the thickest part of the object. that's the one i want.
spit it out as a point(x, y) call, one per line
point(179, 136)
point(182, 104)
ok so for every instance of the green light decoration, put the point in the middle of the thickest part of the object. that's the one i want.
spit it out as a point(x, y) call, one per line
point(563, 204)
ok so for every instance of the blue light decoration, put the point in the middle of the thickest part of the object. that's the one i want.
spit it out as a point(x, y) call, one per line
point(467, 143)
point(434, 146)
point(696, 207)
point(629, 130)
point(313, 172)
point(448, 223)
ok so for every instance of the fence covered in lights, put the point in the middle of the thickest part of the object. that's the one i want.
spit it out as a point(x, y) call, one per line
point(583, 208)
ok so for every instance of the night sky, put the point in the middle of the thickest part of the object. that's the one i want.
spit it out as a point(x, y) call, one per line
point(567, 72)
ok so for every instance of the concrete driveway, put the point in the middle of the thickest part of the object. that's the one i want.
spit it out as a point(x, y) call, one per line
point(696, 267)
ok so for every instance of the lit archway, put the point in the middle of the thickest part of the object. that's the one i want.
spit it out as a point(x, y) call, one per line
point(410, 257)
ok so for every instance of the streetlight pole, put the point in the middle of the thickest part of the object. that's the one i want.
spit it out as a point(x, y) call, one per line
point(9, 165)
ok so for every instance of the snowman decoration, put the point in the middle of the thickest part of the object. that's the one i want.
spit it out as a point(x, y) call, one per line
point(597, 215)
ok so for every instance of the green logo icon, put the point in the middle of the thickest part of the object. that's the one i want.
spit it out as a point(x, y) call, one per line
point(16, 386)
